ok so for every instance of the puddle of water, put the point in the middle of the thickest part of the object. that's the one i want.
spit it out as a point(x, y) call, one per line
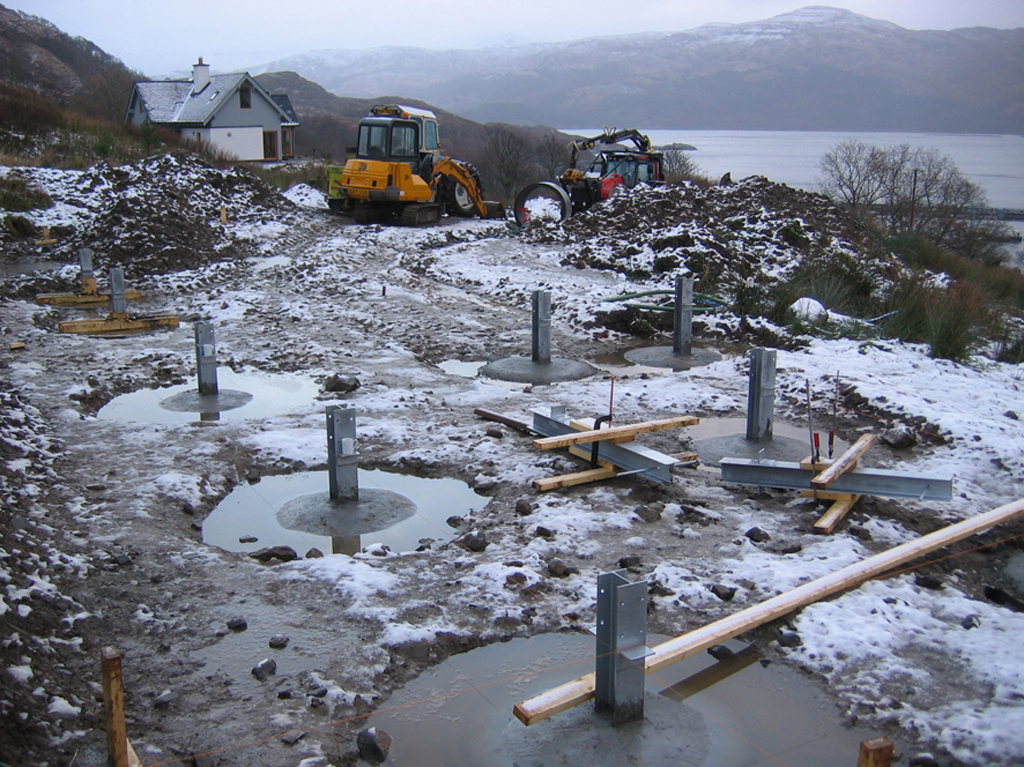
point(717, 438)
point(271, 395)
point(698, 713)
point(262, 264)
point(253, 511)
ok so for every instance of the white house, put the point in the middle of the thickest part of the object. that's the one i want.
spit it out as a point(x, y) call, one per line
point(232, 112)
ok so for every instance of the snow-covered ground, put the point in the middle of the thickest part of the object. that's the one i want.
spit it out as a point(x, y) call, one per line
point(935, 666)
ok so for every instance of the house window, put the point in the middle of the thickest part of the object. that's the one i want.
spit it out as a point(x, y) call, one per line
point(270, 145)
point(245, 97)
point(286, 143)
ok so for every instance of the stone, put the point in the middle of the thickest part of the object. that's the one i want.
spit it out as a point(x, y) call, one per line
point(373, 745)
point(265, 669)
point(279, 641)
point(899, 437)
point(757, 535)
point(927, 581)
point(725, 593)
point(238, 623)
point(649, 513)
point(790, 639)
point(1012, 415)
point(559, 569)
point(248, 539)
point(720, 652)
point(971, 621)
point(923, 760)
point(630, 562)
point(543, 532)
point(494, 431)
point(475, 541)
point(291, 738)
point(341, 383)
point(314, 553)
point(524, 508)
point(455, 521)
point(164, 699)
point(275, 553)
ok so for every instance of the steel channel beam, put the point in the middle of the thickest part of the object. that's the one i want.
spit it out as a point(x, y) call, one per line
point(627, 455)
point(790, 476)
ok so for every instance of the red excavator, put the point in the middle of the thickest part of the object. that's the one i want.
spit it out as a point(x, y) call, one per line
point(578, 190)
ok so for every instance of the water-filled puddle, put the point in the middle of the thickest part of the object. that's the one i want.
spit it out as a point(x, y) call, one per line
point(717, 438)
point(241, 396)
point(699, 712)
point(263, 514)
point(460, 368)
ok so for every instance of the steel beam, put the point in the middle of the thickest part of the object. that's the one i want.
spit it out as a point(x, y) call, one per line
point(790, 476)
point(761, 395)
point(628, 456)
point(541, 327)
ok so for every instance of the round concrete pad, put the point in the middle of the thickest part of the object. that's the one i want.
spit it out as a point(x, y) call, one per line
point(662, 357)
point(374, 511)
point(713, 449)
point(525, 370)
point(194, 402)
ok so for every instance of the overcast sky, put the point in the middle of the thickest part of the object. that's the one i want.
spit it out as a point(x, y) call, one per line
point(162, 37)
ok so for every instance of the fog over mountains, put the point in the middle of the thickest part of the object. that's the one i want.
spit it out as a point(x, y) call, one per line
point(814, 69)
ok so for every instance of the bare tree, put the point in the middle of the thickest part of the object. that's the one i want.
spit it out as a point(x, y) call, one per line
point(552, 155)
point(509, 163)
point(678, 164)
point(852, 173)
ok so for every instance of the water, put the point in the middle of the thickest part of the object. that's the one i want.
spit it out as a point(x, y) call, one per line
point(253, 511)
point(994, 162)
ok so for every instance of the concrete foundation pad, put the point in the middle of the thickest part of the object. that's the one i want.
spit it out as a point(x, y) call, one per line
point(375, 510)
point(713, 449)
point(194, 402)
point(663, 357)
point(525, 370)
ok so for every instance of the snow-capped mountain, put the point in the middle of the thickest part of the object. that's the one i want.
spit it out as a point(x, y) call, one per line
point(815, 68)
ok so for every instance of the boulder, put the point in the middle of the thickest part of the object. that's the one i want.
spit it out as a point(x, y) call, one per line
point(341, 383)
point(899, 437)
point(373, 745)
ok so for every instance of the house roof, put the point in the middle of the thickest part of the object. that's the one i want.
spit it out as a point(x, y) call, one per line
point(173, 101)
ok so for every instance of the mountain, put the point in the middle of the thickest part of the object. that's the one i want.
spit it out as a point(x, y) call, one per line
point(814, 69)
point(70, 71)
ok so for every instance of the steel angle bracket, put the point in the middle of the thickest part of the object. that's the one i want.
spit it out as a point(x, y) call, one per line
point(881, 482)
point(628, 456)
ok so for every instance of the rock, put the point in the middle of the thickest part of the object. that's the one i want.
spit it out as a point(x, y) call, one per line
point(524, 508)
point(494, 431)
point(720, 652)
point(790, 639)
point(726, 180)
point(859, 532)
point(923, 760)
point(757, 535)
point(792, 548)
point(279, 641)
point(272, 553)
point(475, 541)
point(649, 513)
point(899, 437)
point(265, 669)
point(455, 521)
point(291, 738)
point(164, 699)
point(559, 569)
point(373, 745)
point(631, 562)
point(926, 581)
point(543, 532)
point(660, 590)
point(971, 621)
point(725, 593)
point(341, 383)
point(248, 539)
point(314, 553)
point(238, 623)
point(1011, 415)
point(810, 310)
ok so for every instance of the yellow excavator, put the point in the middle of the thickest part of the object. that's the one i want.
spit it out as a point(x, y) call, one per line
point(399, 174)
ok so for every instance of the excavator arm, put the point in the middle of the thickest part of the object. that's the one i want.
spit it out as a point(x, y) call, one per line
point(461, 174)
point(610, 136)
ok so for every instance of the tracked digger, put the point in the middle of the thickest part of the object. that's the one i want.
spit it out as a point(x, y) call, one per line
point(399, 175)
point(578, 190)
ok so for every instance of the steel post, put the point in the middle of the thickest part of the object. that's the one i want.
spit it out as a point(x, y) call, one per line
point(118, 299)
point(761, 395)
point(621, 647)
point(682, 336)
point(541, 326)
point(85, 262)
point(342, 459)
point(206, 358)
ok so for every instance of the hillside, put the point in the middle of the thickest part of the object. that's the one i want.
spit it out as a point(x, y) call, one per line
point(813, 69)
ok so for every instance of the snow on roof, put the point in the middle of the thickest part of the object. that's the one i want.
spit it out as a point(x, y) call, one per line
point(175, 101)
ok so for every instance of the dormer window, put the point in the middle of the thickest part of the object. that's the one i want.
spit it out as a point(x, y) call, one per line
point(245, 97)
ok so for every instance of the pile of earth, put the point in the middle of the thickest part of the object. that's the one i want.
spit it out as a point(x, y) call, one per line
point(163, 214)
point(727, 236)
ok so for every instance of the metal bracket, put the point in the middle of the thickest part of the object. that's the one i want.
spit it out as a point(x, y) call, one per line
point(342, 458)
point(621, 647)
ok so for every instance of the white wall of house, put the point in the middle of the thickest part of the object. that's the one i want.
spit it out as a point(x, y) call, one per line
point(243, 143)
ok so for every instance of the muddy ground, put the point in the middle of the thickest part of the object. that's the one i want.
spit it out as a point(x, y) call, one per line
point(106, 516)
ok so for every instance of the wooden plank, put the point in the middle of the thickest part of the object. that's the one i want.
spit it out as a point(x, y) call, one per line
point(114, 324)
point(876, 752)
point(839, 509)
point(613, 432)
point(513, 423)
point(83, 298)
point(113, 706)
point(844, 463)
point(685, 457)
point(573, 693)
point(576, 478)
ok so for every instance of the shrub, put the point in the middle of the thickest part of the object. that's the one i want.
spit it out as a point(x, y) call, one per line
point(17, 194)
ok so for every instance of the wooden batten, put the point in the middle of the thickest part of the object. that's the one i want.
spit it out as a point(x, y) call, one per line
point(613, 433)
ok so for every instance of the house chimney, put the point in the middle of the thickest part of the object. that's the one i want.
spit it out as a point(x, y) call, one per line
point(200, 75)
